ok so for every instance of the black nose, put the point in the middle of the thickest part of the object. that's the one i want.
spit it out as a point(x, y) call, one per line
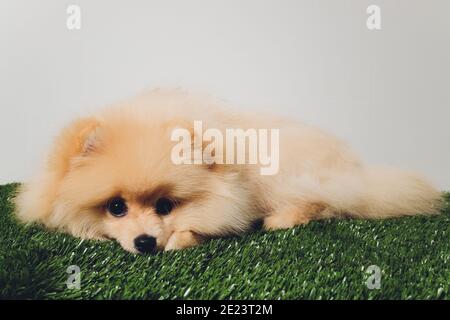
point(145, 244)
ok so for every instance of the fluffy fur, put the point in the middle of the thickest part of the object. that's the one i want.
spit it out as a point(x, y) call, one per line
point(125, 151)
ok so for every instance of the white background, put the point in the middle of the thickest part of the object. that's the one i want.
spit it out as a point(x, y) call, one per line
point(387, 92)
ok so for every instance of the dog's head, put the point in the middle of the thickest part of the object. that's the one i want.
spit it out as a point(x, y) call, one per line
point(113, 177)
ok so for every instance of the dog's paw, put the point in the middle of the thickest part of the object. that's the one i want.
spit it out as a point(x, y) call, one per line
point(182, 239)
point(275, 222)
point(284, 220)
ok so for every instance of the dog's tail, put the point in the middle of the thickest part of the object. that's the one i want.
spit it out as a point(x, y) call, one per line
point(389, 192)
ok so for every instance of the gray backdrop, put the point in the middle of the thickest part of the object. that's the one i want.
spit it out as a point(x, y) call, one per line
point(386, 92)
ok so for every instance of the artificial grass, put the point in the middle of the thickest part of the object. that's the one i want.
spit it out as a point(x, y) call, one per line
point(322, 260)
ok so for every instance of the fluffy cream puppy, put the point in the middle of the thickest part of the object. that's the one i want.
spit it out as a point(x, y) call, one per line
point(112, 176)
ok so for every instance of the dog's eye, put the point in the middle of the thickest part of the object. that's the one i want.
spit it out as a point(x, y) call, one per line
point(164, 206)
point(117, 207)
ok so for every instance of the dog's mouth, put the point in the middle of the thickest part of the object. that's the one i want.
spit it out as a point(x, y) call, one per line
point(143, 245)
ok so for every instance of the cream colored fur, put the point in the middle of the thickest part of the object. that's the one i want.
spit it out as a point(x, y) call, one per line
point(125, 150)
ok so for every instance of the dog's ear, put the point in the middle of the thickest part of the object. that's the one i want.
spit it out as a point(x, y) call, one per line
point(35, 200)
point(80, 138)
point(92, 140)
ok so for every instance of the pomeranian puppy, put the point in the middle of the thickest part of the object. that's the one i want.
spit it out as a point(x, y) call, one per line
point(113, 176)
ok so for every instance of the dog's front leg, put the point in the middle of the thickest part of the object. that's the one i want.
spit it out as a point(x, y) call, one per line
point(291, 216)
point(183, 239)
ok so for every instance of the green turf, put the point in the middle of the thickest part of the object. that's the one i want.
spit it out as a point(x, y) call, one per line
point(323, 260)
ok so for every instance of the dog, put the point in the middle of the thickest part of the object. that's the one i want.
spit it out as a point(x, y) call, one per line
point(112, 176)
